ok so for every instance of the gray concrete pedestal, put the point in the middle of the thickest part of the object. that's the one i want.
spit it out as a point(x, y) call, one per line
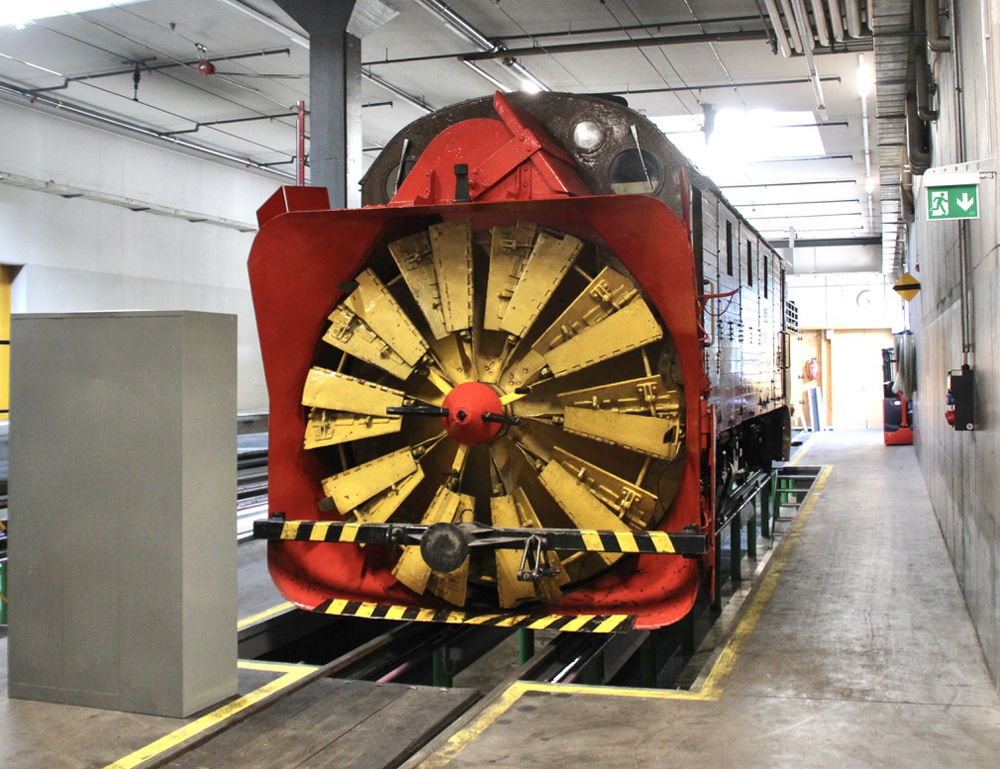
point(122, 585)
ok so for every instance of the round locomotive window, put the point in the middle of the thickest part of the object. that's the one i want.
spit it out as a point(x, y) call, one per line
point(390, 178)
point(588, 135)
point(634, 172)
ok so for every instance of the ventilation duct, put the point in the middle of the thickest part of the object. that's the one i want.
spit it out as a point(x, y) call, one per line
point(827, 24)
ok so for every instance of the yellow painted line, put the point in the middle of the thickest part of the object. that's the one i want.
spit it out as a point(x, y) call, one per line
point(366, 610)
point(612, 691)
point(463, 738)
point(395, 612)
point(199, 725)
point(801, 452)
point(592, 540)
point(272, 667)
point(710, 690)
point(262, 615)
point(426, 615)
point(662, 542)
point(741, 636)
point(290, 530)
point(626, 541)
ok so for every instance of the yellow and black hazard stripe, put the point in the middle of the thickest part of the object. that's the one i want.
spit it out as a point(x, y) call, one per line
point(584, 623)
point(566, 540)
point(624, 541)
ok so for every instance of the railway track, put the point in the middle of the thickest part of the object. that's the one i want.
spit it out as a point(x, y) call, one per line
point(344, 665)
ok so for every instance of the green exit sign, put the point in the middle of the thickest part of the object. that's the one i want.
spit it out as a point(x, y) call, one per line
point(953, 202)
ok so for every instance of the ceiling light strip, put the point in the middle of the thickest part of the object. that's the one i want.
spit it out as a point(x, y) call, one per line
point(133, 204)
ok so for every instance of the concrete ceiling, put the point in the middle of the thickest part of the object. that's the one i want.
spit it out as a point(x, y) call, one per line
point(268, 73)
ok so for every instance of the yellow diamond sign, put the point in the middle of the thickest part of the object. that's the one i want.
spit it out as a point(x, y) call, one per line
point(907, 286)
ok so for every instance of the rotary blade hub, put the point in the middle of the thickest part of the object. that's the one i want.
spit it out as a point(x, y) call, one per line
point(466, 404)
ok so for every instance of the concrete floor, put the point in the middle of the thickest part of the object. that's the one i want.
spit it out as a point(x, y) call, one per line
point(37, 735)
point(864, 656)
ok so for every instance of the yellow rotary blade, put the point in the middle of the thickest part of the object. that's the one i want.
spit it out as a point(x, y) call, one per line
point(548, 262)
point(339, 392)
point(509, 251)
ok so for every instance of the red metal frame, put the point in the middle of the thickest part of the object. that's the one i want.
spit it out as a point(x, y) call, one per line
point(516, 172)
point(296, 264)
point(513, 158)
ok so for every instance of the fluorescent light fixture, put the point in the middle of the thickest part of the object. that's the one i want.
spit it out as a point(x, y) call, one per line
point(487, 76)
point(21, 12)
point(866, 81)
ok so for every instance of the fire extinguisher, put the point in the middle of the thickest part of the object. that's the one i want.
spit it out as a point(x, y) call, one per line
point(949, 408)
point(812, 369)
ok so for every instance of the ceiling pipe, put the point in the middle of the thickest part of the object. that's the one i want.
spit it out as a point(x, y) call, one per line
point(923, 84)
point(150, 133)
point(802, 20)
point(924, 111)
point(410, 99)
point(487, 76)
point(918, 151)
point(267, 21)
point(457, 24)
point(854, 18)
point(615, 45)
point(836, 22)
point(866, 141)
point(779, 28)
point(793, 31)
point(935, 41)
point(142, 67)
point(715, 86)
point(906, 200)
point(819, 16)
point(700, 23)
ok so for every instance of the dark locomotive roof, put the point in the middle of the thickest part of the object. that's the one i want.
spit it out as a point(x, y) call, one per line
point(596, 132)
point(606, 157)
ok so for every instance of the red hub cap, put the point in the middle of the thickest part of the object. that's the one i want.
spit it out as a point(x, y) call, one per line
point(466, 404)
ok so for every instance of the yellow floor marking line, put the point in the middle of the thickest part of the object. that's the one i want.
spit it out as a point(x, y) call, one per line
point(711, 689)
point(273, 667)
point(802, 450)
point(263, 615)
point(291, 674)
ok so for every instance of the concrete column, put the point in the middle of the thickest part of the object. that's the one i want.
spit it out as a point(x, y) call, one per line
point(334, 97)
point(335, 115)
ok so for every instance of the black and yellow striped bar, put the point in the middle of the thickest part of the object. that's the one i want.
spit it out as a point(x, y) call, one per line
point(565, 540)
point(567, 623)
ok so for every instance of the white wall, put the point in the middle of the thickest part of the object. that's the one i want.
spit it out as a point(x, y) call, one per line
point(857, 300)
point(82, 255)
point(962, 469)
point(804, 259)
